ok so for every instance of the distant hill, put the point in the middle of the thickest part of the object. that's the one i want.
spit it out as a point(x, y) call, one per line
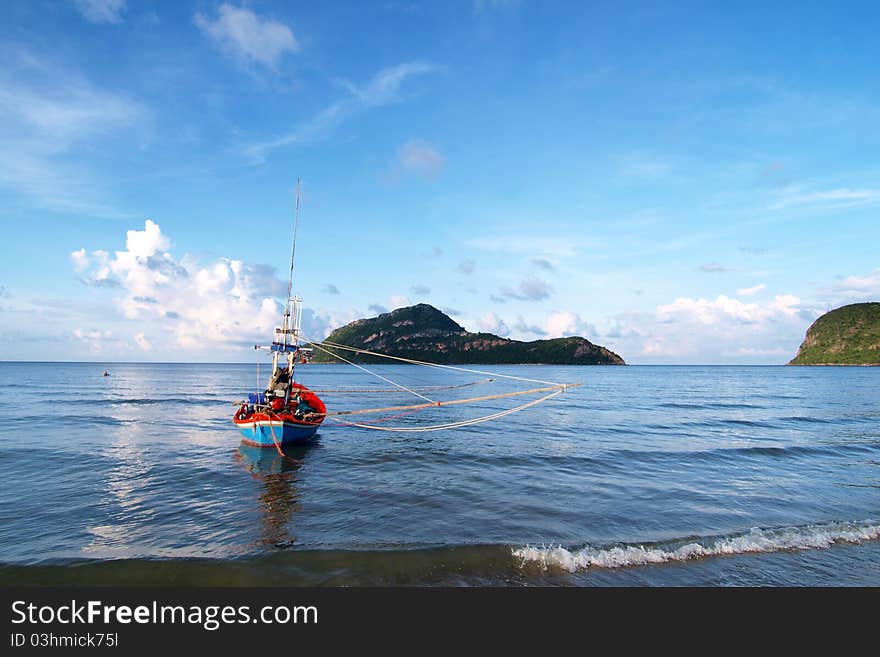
point(422, 332)
point(849, 335)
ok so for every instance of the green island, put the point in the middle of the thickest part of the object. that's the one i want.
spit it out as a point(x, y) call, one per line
point(849, 335)
point(422, 332)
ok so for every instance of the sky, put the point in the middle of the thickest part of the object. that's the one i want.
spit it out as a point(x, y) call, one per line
point(683, 184)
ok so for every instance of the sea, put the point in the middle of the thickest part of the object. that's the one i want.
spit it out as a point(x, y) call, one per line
point(642, 475)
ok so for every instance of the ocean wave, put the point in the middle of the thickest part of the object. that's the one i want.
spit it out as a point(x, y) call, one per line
point(809, 537)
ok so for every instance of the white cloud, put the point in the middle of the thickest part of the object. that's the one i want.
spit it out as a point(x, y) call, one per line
point(398, 301)
point(317, 127)
point(715, 330)
point(247, 36)
point(751, 291)
point(841, 197)
point(91, 334)
point(80, 260)
point(96, 340)
point(46, 114)
point(101, 11)
point(856, 288)
point(492, 323)
point(751, 351)
point(725, 309)
point(64, 110)
point(787, 304)
point(142, 342)
point(224, 303)
point(147, 242)
point(566, 323)
point(384, 88)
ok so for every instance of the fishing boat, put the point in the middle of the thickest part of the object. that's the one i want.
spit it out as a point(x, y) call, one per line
point(286, 412)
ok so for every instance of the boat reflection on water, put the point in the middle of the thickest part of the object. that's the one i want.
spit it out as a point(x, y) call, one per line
point(279, 499)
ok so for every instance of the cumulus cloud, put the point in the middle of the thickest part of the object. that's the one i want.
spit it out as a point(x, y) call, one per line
point(714, 330)
point(377, 308)
point(529, 289)
point(856, 288)
point(492, 323)
point(436, 251)
point(725, 309)
point(566, 323)
point(245, 35)
point(226, 302)
point(80, 260)
point(101, 11)
point(329, 288)
point(420, 290)
point(751, 291)
point(466, 267)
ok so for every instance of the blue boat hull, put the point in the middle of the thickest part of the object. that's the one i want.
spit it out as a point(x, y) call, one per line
point(259, 434)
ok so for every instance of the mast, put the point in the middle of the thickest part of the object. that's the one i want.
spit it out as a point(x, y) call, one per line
point(290, 324)
point(287, 337)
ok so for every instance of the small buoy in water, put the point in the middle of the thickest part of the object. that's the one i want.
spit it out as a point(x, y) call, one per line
point(106, 373)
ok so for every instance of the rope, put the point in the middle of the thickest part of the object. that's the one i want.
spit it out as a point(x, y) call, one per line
point(343, 423)
point(272, 429)
point(421, 362)
point(456, 425)
point(455, 402)
point(402, 387)
point(385, 390)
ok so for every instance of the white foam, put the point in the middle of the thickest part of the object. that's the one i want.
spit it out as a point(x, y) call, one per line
point(757, 540)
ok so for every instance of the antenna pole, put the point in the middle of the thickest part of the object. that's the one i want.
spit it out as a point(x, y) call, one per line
point(292, 252)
